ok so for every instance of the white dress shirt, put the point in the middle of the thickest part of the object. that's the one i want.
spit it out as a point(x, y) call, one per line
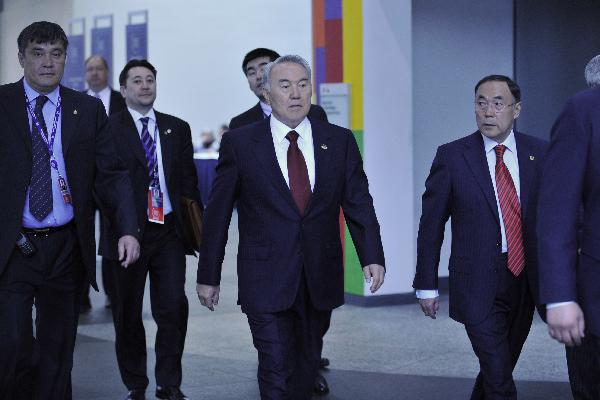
point(266, 109)
point(152, 129)
point(512, 163)
point(103, 95)
point(305, 143)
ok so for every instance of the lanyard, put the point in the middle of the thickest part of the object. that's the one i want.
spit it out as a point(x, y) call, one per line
point(49, 141)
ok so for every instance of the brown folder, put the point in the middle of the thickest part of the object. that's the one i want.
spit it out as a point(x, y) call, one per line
point(192, 222)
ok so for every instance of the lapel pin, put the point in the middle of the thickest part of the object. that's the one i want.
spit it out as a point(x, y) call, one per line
point(74, 112)
point(532, 158)
point(324, 146)
point(168, 131)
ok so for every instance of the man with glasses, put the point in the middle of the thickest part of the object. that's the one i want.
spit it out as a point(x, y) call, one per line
point(485, 182)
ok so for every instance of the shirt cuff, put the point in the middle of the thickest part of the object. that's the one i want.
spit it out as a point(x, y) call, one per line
point(554, 305)
point(427, 294)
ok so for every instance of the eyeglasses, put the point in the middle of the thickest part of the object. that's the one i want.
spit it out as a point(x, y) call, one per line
point(498, 106)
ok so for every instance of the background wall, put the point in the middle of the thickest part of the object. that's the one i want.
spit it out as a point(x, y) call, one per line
point(197, 47)
point(454, 45)
point(551, 55)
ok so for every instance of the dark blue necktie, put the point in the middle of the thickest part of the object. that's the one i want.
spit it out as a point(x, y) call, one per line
point(40, 187)
point(150, 147)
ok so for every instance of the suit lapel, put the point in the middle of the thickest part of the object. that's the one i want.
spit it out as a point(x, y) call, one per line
point(69, 117)
point(526, 169)
point(14, 104)
point(322, 161)
point(264, 150)
point(476, 160)
point(130, 132)
point(166, 142)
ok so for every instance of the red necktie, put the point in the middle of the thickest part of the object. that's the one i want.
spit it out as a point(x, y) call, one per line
point(511, 213)
point(297, 173)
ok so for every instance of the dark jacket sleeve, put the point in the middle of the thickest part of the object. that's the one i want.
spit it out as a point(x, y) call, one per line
point(189, 184)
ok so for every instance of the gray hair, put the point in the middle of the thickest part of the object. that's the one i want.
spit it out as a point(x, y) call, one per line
point(592, 72)
point(289, 58)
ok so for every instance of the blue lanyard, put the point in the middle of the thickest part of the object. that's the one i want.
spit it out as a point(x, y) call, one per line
point(50, 140)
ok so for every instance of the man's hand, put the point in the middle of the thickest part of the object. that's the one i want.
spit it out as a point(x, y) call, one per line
point(374, 274)
point(566, 324)
point(208, 295)
point(129, 250)
point(430, 306)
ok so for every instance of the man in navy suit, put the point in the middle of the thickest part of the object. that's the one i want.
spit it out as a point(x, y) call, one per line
point(485, 183)
point(253, 65)
point(568, 224)
point(289, 175)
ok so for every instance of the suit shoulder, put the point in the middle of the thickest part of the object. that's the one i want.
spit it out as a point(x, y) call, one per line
point(253, 114)
point(171, 119)
point(459, 143)
point(8, 88)
point(532, 141)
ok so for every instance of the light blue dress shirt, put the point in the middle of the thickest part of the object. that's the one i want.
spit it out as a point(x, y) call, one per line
point(61, 213)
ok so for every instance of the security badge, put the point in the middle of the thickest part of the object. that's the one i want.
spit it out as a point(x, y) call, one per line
point(156, 212)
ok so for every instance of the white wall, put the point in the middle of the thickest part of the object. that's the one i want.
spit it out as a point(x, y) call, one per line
point(17, 15)
point(197, 46)
point(388, 148)
point(454, 45)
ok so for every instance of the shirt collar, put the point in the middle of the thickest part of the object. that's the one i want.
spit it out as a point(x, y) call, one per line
point(103, 92)
point(136, 115)
point(280, 130)
point(266, 109)
point(509, 142)
point(32, 94)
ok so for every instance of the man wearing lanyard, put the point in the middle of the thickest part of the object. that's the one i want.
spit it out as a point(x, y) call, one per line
point(157, 149)
point(54, 151)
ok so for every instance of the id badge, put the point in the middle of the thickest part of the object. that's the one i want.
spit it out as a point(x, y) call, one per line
point(155, 205)
point(64, 190)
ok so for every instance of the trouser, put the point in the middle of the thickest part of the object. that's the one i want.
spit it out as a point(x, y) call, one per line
point(289, 345)
point(39, 366)
point(163, 259)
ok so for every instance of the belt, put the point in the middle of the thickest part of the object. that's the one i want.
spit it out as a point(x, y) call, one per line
point(49, 230)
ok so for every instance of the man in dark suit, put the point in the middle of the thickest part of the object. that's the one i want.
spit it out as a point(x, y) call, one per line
point(253, 66)
point(289, 175)
point(569, 235)
point(96, 76)
point(157, 149)
point(485, 183)
point(54, 150)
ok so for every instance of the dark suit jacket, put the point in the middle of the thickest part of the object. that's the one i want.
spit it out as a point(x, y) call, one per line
point(275, 242)
point(570, 178)
point(255, 114)
point(117, 102)
point(460, 186)
point(91, 163)
point(178, 164)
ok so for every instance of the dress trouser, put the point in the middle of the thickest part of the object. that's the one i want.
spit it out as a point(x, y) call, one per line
point(289, 345)
point(163, 259)
point(583, 363)
point(499, 338)
point(39, 366)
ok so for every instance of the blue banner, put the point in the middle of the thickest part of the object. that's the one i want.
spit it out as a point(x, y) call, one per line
point(74, 76)
point(102, 45)
point(137, 41)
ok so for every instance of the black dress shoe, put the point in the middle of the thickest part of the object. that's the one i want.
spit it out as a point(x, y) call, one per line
point(321, 387)
point(170, 393)
point(323, 362)
point(136, 394)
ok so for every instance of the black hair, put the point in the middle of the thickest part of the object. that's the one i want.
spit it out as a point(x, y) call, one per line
point(260, 52)
point(512, 85)
point(41, 32)
point(132, 64)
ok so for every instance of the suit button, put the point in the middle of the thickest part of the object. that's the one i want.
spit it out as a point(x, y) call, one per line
point(495, 269)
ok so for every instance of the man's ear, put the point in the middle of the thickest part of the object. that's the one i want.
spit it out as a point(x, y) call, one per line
point(517, 110)
point(122, 90)
point(21, 59)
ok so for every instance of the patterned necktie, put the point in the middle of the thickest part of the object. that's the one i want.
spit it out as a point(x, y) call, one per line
point(40, 187)
point(511, 213)
point(150, 146)
point(297, 173)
